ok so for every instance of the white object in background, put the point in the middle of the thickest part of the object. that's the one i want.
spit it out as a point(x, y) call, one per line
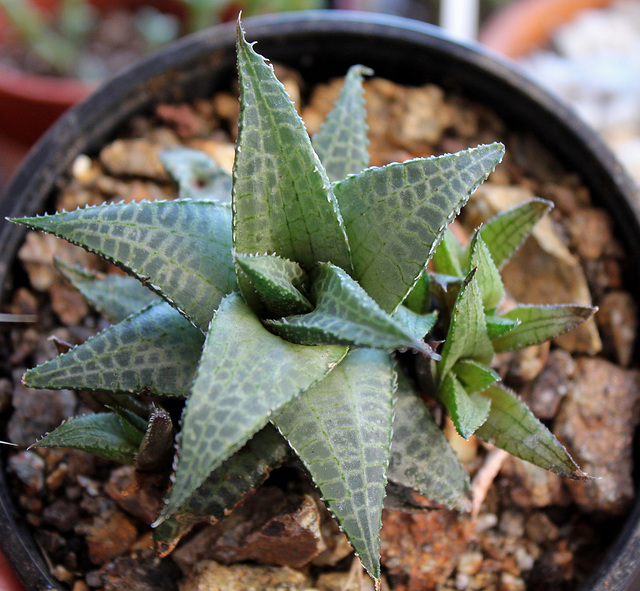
point(460, 18)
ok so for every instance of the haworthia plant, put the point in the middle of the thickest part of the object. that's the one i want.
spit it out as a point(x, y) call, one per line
point(303, 306)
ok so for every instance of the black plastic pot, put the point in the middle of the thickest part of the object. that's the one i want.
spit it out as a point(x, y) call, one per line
point(320, 45)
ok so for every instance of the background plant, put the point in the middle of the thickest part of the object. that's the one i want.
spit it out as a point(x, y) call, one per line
point(276, 320)
point(58, 37)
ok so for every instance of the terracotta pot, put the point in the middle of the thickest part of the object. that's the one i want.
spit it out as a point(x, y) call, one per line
point(8, 579)
point(523, 26)
point(30, 103)
point(321, 45)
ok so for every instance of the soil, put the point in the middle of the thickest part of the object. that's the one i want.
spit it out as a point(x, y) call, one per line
point(531, 531)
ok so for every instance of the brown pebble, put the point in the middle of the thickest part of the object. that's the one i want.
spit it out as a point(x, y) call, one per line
point(618, 322)
point(61, 515)
point(109, 537)
point(540, 528)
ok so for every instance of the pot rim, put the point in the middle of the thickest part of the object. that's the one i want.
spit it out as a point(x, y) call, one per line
point(601, 171)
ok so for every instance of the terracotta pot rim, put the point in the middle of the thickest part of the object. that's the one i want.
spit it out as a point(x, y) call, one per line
point(62, 90)
point(54, 94)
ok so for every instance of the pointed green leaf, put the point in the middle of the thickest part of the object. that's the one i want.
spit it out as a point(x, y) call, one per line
point(155, 350)
point(505, 233)
point(341, 430)
point(101, 434)
point(474, 376)
point(487, 275)
point(421, 457)
point(419, 325)
point(283, 201)
point(224, 488)
point(245, 374)
point(161, 243)
point(133, 426)
point(114, 296)
point(396, 215)
point(197, 175)
point(513, 427)
point(280, 283)
point(539, 324)
point(418, 300)
point(467, 412)
point(345, 314)
point(498, 326)
point(448, 257)
point(467, 336)
point(342, 140)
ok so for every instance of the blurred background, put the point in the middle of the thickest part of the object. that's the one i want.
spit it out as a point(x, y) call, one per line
point(54, 52)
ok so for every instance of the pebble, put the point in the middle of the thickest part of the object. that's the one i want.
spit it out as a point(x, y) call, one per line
point(211, 576)
point(37, 412)
point(134, 157)
point(424, 547)
point(486, 521)
point(539, 528)
point(270, 527)
point(524, 559)
point(28, 466)
point(618, 322)
point(136, 494)
point(544, 394)
point(510, 583)
point(136, 572)
point(338, 581)
point(108, 536)
point(596, 422)
point(512, 523)
point(61, 515)
point(470, 563)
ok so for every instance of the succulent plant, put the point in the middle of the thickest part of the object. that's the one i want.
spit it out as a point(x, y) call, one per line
point(295, 318)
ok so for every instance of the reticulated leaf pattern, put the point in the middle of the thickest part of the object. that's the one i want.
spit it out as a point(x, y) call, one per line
point(282, 198)
point(278, 282)
point(504, 234)
point(341, 143)
point(467, 335)
point(513, 427)
point(225, 487)
point(114, 296)
point(181, 249)
point(245, 374)
point(341, 429)
point(421, 458)
point(345, 314)
point(101, 434)
point(395, 215)
point(155, 350)
point(540, 323)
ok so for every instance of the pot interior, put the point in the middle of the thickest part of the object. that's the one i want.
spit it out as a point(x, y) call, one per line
point(320, 45)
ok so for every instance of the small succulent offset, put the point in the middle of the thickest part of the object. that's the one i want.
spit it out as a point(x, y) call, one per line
point(295, 317)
